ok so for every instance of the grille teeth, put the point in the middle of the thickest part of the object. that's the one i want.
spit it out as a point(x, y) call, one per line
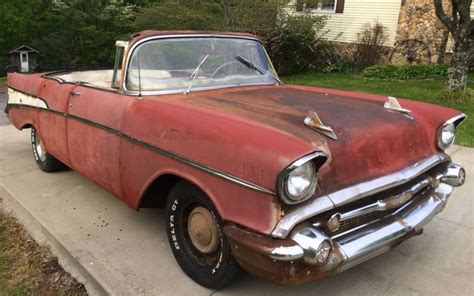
point(351, 223)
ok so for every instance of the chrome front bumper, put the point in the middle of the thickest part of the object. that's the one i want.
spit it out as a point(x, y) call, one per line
point(370, 240)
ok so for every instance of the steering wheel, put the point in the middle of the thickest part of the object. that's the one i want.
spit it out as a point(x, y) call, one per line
point(221, 67)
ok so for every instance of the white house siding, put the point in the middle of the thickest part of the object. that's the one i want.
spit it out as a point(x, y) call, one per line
point(344, 26)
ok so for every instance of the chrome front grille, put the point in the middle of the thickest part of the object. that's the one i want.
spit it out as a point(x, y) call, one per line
point(377, 207)
point(352, 223)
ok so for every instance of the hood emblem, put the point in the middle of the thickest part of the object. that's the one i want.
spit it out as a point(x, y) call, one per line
point(313, 121)
point(393, 105)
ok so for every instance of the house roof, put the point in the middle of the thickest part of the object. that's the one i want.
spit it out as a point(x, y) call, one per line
point(23, 48)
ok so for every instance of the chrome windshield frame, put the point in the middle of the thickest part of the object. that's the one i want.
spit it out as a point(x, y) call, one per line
point(131, 50)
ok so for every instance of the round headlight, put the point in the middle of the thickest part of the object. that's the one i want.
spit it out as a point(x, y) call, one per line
point(298, 182)
point(301, 182)
point(446, 135)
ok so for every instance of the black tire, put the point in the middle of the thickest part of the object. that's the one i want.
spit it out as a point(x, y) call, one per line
point(214, 271)
point(45, 161)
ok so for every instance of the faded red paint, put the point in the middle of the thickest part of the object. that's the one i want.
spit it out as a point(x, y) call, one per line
point(249, 132)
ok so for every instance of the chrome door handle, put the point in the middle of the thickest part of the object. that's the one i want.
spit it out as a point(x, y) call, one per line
point(75, 93)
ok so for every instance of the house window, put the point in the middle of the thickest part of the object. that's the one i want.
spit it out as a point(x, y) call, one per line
point(320, 5)
point(24, 57)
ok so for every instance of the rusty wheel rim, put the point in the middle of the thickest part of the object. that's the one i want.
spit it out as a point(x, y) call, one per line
point(203, 230)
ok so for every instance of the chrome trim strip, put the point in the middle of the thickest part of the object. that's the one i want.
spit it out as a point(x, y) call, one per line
point(156, 149)
point(136, 93)
point(377, 185)
point(347, 195)
point(456, 118)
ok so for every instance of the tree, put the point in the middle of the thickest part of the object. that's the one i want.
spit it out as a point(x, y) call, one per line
point(461, 28)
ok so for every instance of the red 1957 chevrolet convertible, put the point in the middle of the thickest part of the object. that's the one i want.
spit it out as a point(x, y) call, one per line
point(288, 182)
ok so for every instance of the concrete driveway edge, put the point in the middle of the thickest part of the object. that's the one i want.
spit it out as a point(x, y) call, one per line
point(43, 236)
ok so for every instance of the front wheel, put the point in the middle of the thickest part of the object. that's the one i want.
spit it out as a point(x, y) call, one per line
point(45, 161)
point(195, 233)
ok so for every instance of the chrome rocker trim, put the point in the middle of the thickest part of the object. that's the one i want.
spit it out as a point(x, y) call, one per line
point(370, 240)
point(347, 195)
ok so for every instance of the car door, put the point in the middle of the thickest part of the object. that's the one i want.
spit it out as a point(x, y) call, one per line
point(93, 131)
point(52, 126)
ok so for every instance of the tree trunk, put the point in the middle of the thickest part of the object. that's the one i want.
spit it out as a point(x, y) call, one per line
point(442, 47)
point(458, 69)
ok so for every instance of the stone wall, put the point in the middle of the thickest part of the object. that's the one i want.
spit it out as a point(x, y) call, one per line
point(421, 37)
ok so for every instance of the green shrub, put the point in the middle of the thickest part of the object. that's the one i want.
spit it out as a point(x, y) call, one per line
point(172, 15)
point(293, 41)
point(369, 48)
point(340, 65)
point(296, 44)
point(404, 72)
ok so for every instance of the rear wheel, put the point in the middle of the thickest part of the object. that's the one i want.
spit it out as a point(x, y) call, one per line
point(195, 233)
point(45, 161)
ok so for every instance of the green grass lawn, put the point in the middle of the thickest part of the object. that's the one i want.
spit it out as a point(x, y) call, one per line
point(3, 79)
point(420, 90)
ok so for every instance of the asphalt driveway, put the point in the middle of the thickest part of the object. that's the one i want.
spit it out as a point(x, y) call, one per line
point(116, 250)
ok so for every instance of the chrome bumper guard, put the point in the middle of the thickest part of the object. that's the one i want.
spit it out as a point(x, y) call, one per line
point(368, 241)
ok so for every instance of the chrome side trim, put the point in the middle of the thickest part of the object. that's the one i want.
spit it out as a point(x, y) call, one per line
point(153, 148)
point(347, 195)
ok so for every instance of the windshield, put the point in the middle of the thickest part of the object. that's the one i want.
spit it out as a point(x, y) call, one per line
point(179, 64)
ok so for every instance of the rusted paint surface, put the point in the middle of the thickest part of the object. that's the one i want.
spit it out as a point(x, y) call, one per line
point(252, 252)
point(252, 133)
point(371, 139)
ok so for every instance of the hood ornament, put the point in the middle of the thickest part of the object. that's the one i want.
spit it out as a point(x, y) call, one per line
point(393, 105)
point(313, 121)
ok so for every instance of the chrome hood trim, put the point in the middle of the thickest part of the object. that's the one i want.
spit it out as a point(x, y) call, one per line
point(347, 195)
point(393, 105)
point(313, 121)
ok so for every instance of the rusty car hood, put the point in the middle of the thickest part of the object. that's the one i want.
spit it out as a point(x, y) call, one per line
point(372, 141)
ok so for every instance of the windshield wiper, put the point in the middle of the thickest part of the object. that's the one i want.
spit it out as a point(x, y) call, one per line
point(256, 67)
point(195, 73)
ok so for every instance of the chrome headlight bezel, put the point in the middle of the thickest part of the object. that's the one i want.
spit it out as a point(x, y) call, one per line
point(315, 160)
point(449, 126)
point(442, 141)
